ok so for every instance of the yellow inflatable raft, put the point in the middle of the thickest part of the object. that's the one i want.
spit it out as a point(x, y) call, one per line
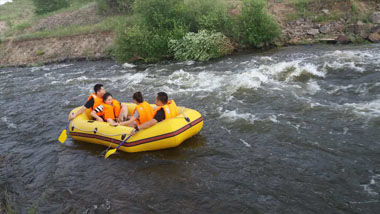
point(166, 134)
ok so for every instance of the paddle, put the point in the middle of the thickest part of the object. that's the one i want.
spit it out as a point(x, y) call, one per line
point(63, 136)
point(112, 151)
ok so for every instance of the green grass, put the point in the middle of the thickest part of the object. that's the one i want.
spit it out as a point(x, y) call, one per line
point(108, 24)
point(74, 5)
point(329, 17)
point(17, 11)
point(300, 5)
point(301, 10)
point(17, 23)
point(19, 15)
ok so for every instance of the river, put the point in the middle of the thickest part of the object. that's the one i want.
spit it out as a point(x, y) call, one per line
point(292, 130)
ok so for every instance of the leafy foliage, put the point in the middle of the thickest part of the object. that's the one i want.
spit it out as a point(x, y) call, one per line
point(46, 6)
point(159, 22)
point(202, 46)
point(256, 26)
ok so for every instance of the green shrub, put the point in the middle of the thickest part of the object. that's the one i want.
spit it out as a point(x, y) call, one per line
point(46, 6)
point(210, 15)
point(201, 46)
point(256, 27)
point(114, 6)
point(139, 42)
point(156, 22)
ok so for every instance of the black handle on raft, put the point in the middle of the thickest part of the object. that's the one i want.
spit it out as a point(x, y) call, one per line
point(183, 112)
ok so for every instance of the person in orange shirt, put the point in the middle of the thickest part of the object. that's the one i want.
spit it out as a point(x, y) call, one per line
point(108, 111)
point(96, 99)
point(93, 101)
point(142, 113)
point(165, 110)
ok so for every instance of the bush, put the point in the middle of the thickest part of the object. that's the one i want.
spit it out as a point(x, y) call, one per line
point(136, 42)
point(139, 42)
point(256, 26)
point(202, 46)
point(46, 6)
point(114, 6)
point(157, 22)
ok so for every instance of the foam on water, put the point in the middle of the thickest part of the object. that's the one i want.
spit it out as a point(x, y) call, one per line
point(81, 78)
point(342, 65)
point(369, 188)
point(128, 65)
point(188, 63)
point(348, 55)
point(8, 123)
point(245, 143)
point(50, 67)
point(234, 116)
point(287, 70)
point(313, 87)
point(369, 109)
point(211, 81)
point(273, 118)
point(349, 59)
point(251, 77)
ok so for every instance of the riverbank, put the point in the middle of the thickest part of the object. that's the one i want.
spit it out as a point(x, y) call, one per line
point(82, 32)
point(56, 49)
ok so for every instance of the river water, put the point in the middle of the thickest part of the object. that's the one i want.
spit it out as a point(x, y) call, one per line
point(293, 130)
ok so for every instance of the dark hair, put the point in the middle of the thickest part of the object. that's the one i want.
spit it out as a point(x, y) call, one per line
point(163, 97)
point(97, 87)
point(105, 96)
point(138, 97)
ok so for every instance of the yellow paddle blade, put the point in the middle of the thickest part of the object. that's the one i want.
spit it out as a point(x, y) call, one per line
point(109, 153)
point(63, 136)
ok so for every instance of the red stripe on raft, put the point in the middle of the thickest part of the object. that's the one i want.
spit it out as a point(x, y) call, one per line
point(138, 142)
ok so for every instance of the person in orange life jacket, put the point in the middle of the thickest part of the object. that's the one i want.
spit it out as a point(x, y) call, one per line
point(93, 101)
point(165, 110)
point(96, 99)
point(142, 113)
point(108, 111)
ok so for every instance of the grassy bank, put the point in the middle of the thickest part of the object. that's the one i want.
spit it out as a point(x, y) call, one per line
point(20, 19)
point(153, 30)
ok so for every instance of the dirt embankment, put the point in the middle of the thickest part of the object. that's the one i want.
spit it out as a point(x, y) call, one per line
point(327, 20)
point(47, 50)
point(56, 49)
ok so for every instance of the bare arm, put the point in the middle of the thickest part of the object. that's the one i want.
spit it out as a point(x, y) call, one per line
point(79, 112)
point(147, 124)
point(112, 122)
point(94, 115)
point(123, 112)
point(130, 122)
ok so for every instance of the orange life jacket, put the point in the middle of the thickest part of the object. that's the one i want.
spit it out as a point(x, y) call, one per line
point(145, 112)
point(170, 109)
point(97, 102)
point(111, 111)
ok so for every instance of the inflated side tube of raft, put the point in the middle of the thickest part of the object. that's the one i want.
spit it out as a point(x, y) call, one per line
point(165, 134)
